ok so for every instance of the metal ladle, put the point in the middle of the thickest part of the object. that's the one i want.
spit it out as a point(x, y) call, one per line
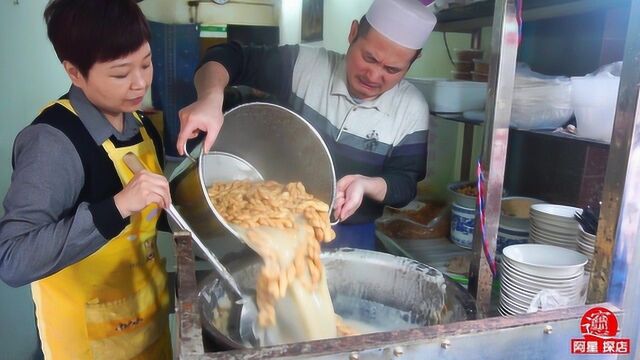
point(248, 310)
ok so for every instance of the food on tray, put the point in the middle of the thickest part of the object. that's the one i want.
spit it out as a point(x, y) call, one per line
point(412, 224)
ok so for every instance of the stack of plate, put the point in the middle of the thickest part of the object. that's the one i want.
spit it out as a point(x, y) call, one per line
point(554, 225)
point(587, 246)
point(528, 269)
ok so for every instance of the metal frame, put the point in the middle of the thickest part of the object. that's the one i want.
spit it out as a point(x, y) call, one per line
point(617, 259)
point(532, 14)
point(504, 50)
point(616, 238)
point(541, 335)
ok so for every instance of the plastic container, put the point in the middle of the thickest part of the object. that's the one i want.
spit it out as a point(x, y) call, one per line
point(463, 66)
point(452, 96)
point(468, 54)
point(594, 100)
point(540, 101)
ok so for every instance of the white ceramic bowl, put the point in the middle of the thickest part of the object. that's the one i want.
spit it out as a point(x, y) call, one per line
point(568, 240)
point(541, 241)
point(545, 260)
point(504, 312)
point(560, 211)
point(554, 235)
point(512, 272)
point(559, 231)
point(586, 238)
point(555, 226)
point(512, 306)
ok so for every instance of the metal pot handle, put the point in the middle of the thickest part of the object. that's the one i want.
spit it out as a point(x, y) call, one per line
point(187, 154)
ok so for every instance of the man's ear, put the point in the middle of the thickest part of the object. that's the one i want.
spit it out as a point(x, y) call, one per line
point(353, 32)
point(74, 73)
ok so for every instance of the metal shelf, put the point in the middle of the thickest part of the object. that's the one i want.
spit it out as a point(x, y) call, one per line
point(472, 17)
point(461, 119)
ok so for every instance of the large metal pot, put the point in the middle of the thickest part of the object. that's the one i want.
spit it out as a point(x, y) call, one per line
point(258, 138)
point(371, 287)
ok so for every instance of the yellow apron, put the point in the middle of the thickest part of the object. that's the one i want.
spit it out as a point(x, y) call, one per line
point(114, 303)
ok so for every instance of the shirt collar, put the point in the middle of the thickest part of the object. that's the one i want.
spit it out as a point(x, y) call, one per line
point(382, 103)
point(95, 122)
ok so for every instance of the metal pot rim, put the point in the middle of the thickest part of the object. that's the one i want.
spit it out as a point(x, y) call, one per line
point(200, 159)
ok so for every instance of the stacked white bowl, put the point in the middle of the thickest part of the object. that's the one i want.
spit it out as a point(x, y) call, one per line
point(528, 269)
point(514, 222)
point(554, 225)
point(587, 246)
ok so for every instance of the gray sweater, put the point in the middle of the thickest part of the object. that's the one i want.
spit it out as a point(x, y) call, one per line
point(43, 229)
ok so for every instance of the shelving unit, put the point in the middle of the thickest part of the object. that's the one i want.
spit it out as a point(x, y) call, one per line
point(470, 18)
point(591, 148)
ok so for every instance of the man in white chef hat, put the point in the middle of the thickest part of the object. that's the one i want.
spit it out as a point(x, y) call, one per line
point(373, 121)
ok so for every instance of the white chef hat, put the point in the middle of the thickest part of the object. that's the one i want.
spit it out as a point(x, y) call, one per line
point(406, 22)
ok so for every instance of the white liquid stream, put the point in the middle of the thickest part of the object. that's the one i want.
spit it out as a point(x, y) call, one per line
point(301, 315)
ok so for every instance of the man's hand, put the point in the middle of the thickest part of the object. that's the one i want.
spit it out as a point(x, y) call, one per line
point(145, 188)
point(203, 115)
point(206, 113)
point(350, 191)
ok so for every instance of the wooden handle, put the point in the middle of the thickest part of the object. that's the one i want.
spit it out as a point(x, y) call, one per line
point(133, 162)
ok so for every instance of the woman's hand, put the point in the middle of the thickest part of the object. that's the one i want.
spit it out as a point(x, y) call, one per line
point(145, 188)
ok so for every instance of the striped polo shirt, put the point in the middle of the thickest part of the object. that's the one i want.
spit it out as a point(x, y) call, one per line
point(385, 137)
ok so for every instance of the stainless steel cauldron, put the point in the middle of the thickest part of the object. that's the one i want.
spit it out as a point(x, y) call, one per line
point(264, 138)
point(371, 287)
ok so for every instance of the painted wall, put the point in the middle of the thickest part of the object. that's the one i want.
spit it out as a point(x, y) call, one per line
point(254, 12)
point(289, 20)
point(30, 76)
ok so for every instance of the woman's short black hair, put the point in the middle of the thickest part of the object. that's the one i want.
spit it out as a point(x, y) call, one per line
point(84, 32)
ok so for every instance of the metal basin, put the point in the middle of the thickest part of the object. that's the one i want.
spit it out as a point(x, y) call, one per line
point(265, 140)
point(378, 289)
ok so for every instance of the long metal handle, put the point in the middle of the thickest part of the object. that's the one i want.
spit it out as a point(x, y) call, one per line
point(220, 269)
point(136, 166)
